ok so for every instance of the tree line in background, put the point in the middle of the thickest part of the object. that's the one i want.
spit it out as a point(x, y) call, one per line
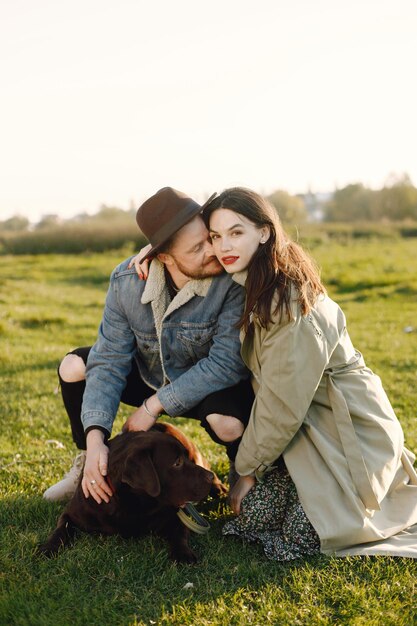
point(105, 214)
point(354, 211)
point(396, 201)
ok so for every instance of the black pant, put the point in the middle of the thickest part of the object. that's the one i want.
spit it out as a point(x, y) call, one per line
point(236, 401)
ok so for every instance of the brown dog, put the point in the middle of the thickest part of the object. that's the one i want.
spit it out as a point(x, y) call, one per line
point(152, 474)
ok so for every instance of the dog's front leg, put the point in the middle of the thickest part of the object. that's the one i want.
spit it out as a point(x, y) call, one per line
point(62, 536)
point(177, 536)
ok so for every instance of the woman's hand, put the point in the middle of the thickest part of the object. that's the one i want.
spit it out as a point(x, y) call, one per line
point(93, 483)
point(142, 269)
point(239, 491)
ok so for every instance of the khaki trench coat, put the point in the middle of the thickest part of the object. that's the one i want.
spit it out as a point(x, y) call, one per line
point(326, 413)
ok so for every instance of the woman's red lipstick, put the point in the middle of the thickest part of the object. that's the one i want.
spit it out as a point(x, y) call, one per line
point(228, 260)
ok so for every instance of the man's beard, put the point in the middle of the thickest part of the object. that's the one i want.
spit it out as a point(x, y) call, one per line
point(210, 268)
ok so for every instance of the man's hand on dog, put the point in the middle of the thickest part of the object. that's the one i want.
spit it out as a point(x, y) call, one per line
point(140, 419)
point(94, 483)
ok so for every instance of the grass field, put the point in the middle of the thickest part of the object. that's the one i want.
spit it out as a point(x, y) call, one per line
point(50, 304)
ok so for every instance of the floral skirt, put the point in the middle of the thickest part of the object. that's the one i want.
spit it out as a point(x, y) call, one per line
point(271, 514)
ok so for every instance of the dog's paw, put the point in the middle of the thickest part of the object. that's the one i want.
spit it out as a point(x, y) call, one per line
point(45, 549)
point(184, 555)
point(218, 489)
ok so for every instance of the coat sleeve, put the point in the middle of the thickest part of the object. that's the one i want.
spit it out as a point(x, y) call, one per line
point(293, 357)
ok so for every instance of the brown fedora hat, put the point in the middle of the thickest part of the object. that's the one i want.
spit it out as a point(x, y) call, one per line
point(163, 214)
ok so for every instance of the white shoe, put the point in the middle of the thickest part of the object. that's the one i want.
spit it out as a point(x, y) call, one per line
point(65, 488)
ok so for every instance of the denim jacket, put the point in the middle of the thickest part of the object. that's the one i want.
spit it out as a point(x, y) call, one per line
point(185, 349)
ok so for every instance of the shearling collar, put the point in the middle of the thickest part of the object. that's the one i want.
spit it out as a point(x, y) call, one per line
point(156, 285)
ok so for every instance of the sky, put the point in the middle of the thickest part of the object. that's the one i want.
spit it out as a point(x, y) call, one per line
point(105, 102)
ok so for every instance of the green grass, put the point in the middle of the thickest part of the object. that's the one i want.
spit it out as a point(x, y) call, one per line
point(50, 304)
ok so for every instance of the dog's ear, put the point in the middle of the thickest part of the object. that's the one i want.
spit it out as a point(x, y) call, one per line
point(139, 473)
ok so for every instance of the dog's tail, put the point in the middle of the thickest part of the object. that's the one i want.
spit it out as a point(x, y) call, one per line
point(62, 536)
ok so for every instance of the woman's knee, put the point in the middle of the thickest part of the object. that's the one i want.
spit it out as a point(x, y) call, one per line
point(72, 369)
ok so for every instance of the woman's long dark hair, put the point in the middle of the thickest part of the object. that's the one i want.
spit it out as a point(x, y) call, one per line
point(276, 267)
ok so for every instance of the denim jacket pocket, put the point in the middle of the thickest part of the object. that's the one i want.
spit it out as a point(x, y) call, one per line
point(148, 348)
point(197, 339)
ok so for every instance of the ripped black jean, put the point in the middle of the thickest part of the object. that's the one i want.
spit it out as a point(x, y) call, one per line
point(236, 401)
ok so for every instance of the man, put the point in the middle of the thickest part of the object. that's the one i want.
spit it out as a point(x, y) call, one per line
point(168, 345)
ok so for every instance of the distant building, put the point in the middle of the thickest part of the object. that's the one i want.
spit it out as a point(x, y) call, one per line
point(314, 203)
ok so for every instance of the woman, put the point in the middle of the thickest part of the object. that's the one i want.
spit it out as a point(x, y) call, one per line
point(322, 462)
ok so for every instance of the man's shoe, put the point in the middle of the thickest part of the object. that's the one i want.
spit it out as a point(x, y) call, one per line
point(65, 488)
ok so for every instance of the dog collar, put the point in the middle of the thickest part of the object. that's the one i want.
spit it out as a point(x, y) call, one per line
point(191, 518)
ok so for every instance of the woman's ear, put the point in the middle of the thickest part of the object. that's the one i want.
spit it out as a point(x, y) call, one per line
point(265, 234)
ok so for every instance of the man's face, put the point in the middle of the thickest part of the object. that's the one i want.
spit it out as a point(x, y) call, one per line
point(192, 253)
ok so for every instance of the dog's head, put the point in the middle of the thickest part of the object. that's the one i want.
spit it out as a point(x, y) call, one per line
point(157, 464)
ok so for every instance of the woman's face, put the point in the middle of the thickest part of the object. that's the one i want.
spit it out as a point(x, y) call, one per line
point(235, 239)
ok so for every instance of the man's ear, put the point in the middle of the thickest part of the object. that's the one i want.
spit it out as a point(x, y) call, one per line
point(165, 258)
point(139, 473)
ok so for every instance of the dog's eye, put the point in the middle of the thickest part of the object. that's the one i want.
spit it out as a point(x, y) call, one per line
point(178, 462)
